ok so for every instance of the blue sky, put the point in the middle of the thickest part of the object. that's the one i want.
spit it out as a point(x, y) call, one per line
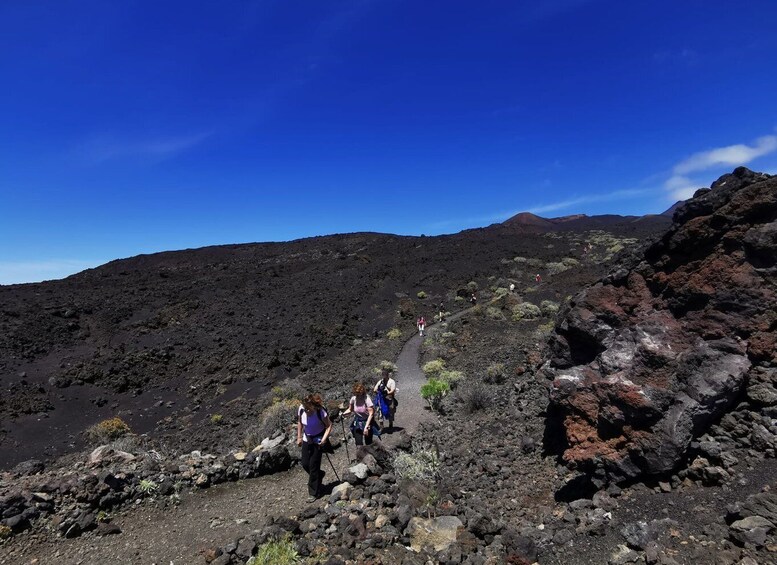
point(134, 127)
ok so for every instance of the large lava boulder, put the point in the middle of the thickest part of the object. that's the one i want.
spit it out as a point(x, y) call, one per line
point(648, 357)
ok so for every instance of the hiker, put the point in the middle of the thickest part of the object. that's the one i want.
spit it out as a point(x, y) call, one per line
point(385, 390)
point(473, 299)
point(538, 278)
point(512, 287)
point(442, 311)
point(421, 324)
point(313, 429)
point(363, 426)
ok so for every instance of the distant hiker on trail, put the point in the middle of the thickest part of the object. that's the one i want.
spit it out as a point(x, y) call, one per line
point(473, 299)
point(385, 391)
point(313, 429)
point(538, 278)
point(421, 324)
point(363, 426)
point(512, 287)
point(442, 311)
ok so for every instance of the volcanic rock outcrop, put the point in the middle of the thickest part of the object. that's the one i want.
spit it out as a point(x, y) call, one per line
point(649, 357)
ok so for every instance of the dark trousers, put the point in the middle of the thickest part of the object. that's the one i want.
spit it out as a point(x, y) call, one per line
point(361, 439)
point(311, 462)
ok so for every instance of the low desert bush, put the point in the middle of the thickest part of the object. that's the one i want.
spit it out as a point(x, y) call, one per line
point(216, 419)
point(451, 377)
point(494, 313)
point(421, 295)
point(385, 365)
point(5, 532)
point(433, 391)
point(394, 333)
point(473, 396)
point(276, 418)
point(289, 390)
point(549, 308)
point(421, 465)
point(526, 311)
point(555, 268)
point(108, 430)
point(276, 552)
point(432, 369)
point(472, 286)
point(147, 487)
point(500, 292)
point(496, 373)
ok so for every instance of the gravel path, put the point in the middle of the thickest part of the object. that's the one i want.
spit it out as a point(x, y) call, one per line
point(177, 535)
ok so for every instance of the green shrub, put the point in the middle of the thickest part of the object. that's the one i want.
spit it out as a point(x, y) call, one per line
point(472, 286)
point(391, 367)
point(549, 308)
point(451, 377)
point(520, 259)
point(276, 552)
point(108, 430)
point(148, 487)
point(276, 417)
point(5, 532)
point(289, 390)
point(421, 465)
point(494, 313)
point(496, 373)
point(432, 369)
point(555, 268)
point(500, 292)
point(394, 333)
point(216, 419)
point(526, 311)
point(570, 262)
point(421, 295)
point(433, 392)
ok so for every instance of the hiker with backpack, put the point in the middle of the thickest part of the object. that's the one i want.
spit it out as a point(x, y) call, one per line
point(313, 429)
point(421, 324)
point(363, 426)
point(385, 390)
point(442, 311)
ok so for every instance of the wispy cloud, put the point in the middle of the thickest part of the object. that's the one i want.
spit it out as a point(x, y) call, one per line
point(14, 272)
point(603, 197)
point(681, 187)
point(98, 149)
point(731, 155)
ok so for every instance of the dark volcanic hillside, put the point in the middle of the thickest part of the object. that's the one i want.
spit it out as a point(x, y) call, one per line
point(155, 338)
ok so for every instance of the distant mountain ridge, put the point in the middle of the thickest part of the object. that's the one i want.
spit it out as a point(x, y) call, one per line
point(528, 222)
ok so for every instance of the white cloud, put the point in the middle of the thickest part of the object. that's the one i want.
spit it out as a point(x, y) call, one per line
point(731, 155)
point(100, 148)
point(15, 272)
point(680, 186)
point(605, 197)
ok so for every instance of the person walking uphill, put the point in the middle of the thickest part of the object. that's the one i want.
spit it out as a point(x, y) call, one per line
point(313, 429)
point(421, 324)
point(386, 389)
point(363, 425)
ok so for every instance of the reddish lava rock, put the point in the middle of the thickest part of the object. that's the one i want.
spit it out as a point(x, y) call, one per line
point(649, 357)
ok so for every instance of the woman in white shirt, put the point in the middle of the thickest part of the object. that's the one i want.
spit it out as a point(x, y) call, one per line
point(363, 412)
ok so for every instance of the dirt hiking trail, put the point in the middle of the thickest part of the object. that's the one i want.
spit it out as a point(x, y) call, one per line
point(156, 532)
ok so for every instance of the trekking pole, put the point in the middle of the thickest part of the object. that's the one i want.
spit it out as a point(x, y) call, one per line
point(333, 467)
point(345, 439)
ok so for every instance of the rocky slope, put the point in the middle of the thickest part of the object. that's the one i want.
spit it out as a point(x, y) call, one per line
point(649, 358)
point(166, 341)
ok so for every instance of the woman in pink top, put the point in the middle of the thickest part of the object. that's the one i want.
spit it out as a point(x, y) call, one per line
point(360, 406)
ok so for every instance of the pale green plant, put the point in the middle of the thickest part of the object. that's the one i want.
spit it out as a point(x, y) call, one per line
point(421, 465)
point(276, 552)
point(432, 369)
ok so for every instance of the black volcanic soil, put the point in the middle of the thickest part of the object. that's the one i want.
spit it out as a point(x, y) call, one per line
point(166, 340)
